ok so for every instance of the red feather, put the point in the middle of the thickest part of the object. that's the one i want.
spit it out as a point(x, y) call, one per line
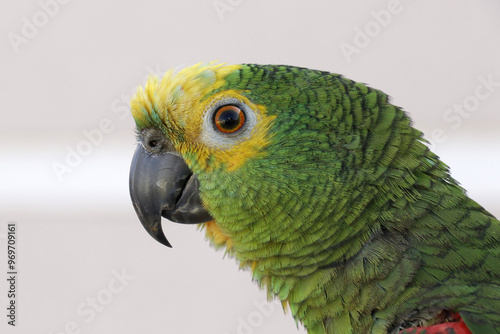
point(457, 326)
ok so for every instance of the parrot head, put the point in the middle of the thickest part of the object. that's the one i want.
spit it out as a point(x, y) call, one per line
point(261, 153)
point(267, 156)
point(191, 133)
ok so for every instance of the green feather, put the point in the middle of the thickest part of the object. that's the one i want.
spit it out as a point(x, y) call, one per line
point(348, 216)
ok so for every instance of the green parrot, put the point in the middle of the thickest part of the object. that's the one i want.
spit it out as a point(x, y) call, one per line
point(323, 189)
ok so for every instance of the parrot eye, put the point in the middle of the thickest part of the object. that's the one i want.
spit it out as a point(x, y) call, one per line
point(229, 118)
point(227, 121)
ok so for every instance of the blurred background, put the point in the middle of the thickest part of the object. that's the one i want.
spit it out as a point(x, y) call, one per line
point(68, 69)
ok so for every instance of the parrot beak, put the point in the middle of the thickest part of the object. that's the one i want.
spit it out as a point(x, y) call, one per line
point(163, 185)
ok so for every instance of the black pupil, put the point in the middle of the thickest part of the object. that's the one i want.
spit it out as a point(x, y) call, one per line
point(229, 119)
point(153, 143)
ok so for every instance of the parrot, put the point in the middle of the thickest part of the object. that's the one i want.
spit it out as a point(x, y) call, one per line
point(324, 191)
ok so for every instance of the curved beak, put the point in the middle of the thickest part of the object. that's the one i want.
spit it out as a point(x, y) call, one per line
point(163, 185)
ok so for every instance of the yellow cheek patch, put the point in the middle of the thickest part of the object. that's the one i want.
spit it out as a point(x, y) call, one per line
point(234, 151)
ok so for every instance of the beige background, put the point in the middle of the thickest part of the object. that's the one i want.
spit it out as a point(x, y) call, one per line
point(75, 72)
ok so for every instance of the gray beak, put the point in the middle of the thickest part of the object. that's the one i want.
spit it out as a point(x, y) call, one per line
point(163, 185)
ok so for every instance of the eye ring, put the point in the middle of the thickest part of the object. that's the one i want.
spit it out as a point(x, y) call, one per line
point(214, 137)
point(229, 118)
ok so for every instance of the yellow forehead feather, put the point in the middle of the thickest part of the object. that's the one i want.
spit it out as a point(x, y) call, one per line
point(176, 93)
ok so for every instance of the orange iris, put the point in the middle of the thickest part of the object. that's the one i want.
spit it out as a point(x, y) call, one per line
point(229, 119)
